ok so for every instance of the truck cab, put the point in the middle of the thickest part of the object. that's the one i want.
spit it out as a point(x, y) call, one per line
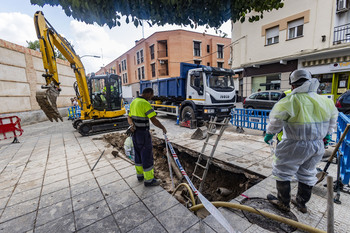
point(210, 92)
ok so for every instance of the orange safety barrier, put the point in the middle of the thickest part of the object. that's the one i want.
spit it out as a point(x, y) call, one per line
point(10, 125)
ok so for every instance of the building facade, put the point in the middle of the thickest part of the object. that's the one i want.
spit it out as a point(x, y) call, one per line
point(159, 56)
point(311, 35)
point(21, 72)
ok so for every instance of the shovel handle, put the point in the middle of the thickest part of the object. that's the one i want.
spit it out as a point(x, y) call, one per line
point(337, 146)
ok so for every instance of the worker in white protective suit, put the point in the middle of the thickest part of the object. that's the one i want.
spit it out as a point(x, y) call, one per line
point(306, 118)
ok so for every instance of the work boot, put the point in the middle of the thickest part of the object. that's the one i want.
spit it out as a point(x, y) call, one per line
point(303, 196)
point(283, 196)
point(140, 178)
point(154, 182)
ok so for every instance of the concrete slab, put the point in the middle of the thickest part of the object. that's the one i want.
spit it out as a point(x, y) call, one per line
point(63, 224)
point(53, 212)
point(105, 225)
point(123, 200)
point(21, 224)
point(129, 218)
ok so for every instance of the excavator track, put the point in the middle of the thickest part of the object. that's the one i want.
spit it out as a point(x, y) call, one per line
point(47, 102)
point(91, 127)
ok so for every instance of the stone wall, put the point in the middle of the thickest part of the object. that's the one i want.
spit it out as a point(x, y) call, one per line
point(21, 72)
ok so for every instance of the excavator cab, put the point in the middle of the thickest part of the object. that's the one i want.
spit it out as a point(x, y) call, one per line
point(106, 92)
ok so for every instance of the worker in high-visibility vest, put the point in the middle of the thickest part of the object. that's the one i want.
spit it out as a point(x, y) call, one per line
point(140, 113)
point(284, 94)
point(306, 118)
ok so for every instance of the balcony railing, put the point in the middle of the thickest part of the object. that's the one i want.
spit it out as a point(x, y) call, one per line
point(342, 34)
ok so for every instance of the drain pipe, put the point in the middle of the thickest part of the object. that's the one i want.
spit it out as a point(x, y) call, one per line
point(263, 213)
point(223, 191)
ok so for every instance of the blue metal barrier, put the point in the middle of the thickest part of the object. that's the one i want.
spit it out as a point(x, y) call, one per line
point(250, 118)
point(74, 112)
point(343, 120)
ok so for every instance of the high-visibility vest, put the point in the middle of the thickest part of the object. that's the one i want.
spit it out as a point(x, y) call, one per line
point(140, 112)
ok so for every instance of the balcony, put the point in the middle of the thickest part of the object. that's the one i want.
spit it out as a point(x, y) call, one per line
point(163, 72)
point(162, 53)
point(342, 34)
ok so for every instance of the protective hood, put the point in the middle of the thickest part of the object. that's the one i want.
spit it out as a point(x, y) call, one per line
point(307, 87)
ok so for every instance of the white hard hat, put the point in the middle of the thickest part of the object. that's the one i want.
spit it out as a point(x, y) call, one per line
point(296, 75)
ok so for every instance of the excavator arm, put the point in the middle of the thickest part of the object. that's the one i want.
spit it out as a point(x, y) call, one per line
point(49, 39)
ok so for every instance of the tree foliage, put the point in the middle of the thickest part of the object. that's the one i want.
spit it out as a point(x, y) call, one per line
point(35, 45)
point(212, 13)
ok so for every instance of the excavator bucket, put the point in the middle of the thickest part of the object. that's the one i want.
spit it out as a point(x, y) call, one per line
point(47, 102)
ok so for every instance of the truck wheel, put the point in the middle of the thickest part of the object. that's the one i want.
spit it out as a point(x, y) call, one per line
point(188, 114)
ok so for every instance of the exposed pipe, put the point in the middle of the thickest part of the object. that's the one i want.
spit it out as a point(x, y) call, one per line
point(189, 191)
point(263, 213)
point(223, 191)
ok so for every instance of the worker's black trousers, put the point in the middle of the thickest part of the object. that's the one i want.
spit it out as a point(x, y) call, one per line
point(143, 148)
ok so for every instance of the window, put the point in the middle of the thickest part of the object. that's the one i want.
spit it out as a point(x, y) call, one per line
point(141, 72)
point(272, 35)
point(275, 95)
point(253, 96)
point(220, 51)
point(325, 80)
point(295, 28)
point(153, 68)
point(342, 5)
point(197, 62)
point(120, 68)
point(139, 56)
point(208, 48)
point(220, 64)
point(262, 96)
point(208, 63)
point(196, 48)
point(151, 49)
point(125, 78)
point(123, 65)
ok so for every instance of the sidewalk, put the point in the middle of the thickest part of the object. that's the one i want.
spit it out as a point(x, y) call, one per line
point(46, 185)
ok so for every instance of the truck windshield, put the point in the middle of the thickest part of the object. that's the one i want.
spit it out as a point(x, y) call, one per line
point(220, 82)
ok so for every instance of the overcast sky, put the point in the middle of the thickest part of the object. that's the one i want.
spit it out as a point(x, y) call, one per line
point(17, 26)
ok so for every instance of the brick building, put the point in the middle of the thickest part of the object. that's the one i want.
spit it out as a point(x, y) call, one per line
point(159, 56)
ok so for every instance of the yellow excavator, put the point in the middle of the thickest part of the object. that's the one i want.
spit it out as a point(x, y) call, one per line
point(99, 96)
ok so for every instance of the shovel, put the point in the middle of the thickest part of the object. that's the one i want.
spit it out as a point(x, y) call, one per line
point(322, 174)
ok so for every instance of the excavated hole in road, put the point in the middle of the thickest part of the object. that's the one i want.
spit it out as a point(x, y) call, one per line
point(224, 181)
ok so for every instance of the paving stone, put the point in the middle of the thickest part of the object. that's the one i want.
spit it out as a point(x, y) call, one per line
point(54, 197)
point(132, 181)
point(87, 198)
point(79, 170)
point(128, 171)
point(238, 223)
point(90, 214)
point(160, 202)
point(5, 184)
point(54, 178)
point(53, 212)
point(106, 225)
point(49, 188)
point(339, 226)
point(51, 164)
point(63, 224)
point(197, 228)
point(74, 164)
point(20, 224)
point(19, 210)
point(114, 188)
point(120, 164)
point(24, 196)
point(181, 219)
point(122, 200)
point(6, 192)
point(21, 187)
point(30, 177)
point(83, 187)
point(132, 216)
point(143, 192)
point(80, 178)
point(263, 167)
point(3, 202)
point(108, 178)
point(100, 171)
point(256, 229)
point(150, 226)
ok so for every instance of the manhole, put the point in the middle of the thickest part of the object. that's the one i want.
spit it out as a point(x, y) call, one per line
point(264, 222)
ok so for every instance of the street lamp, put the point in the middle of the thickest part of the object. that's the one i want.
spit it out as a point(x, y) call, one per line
point(90, 56)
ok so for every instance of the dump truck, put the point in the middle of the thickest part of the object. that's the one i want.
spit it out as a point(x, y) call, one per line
point(197, 94)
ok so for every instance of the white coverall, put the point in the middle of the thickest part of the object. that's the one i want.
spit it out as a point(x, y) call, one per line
point(306, 118)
